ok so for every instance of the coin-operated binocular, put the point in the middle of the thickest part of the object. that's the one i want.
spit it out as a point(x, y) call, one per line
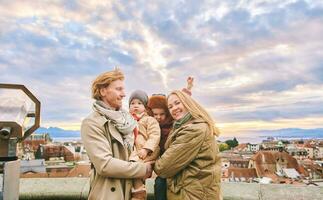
point(19, 118)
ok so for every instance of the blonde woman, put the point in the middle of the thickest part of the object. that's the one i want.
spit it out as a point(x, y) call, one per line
point(190, 163)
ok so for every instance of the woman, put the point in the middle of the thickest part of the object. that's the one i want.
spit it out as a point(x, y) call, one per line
point(159, 110)
point(190, 163)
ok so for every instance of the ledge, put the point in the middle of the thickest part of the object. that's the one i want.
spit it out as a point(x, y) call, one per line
point(53, 188)
point(77, 188)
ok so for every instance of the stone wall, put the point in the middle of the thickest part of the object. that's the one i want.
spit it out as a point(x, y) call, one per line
point(77, 188)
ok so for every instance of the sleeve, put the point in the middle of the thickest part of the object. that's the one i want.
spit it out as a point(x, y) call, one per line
point(99, 151)
point(187, 91)
point(153, 132)
point(181, 152)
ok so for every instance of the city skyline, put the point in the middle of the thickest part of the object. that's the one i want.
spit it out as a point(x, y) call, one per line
point(258, 65)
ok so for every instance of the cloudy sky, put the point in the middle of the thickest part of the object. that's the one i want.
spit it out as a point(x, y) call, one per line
point(257, 64)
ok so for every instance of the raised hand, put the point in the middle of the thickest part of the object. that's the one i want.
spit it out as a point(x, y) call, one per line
point(190, 81)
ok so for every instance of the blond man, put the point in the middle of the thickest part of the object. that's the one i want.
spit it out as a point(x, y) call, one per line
point(107, 134)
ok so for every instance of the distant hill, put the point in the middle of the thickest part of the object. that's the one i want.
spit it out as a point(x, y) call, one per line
point(292, 133)
point(288, 133)
point(55, 132)
point(283, 133)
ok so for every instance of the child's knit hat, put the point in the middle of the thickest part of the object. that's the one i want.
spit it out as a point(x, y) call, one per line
point(139, 94)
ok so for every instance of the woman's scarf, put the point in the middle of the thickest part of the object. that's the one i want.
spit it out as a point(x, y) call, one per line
point(183, 120)
point(121, 119)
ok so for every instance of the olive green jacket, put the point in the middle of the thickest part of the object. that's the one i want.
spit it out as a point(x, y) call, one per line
point(191, 163)
point(111, 178)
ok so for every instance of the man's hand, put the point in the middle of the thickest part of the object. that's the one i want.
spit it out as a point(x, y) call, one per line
point(142, 154)
point(149, 169)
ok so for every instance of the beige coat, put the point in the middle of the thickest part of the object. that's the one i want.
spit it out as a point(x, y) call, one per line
point(191, 163)
point(148, 137)
point(104, 145)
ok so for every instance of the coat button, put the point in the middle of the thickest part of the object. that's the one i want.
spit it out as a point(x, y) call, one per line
point(113, 189)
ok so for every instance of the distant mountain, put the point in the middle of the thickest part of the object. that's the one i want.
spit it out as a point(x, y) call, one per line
point(292, 133)
point(283, 133)
point(55, 132)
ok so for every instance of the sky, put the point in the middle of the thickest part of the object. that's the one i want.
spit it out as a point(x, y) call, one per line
point(258, 65)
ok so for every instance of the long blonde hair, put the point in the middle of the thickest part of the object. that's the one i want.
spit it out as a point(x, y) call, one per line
point(196, 110)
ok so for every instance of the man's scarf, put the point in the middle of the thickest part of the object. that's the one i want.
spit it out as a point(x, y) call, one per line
point(121, 119)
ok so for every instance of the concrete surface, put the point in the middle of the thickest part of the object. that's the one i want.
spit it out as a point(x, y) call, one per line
point(77, 188)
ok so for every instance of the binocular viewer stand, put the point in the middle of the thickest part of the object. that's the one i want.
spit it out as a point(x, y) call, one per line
point(19, 118)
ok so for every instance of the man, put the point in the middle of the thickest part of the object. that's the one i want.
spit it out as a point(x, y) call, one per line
point(107, 135)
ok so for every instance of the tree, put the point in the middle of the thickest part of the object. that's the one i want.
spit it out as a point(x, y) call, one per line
point(232, 143)
point(223, 147)
point(235, 142)
point(285, 142)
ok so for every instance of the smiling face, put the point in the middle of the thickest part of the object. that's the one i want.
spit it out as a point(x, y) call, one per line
point(176, 107)
point(113, 94)
point(136, 107)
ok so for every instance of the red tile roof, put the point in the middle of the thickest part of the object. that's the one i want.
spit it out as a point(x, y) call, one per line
point(308, 145)
point(242, 172)
point(265, 162)
point(241, 147)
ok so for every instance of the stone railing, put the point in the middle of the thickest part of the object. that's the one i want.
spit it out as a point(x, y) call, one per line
point(77, 188)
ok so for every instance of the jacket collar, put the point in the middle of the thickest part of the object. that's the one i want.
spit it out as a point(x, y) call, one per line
point(183, 120)
point(191, 121)
point(114, 132)
point(103, 121)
